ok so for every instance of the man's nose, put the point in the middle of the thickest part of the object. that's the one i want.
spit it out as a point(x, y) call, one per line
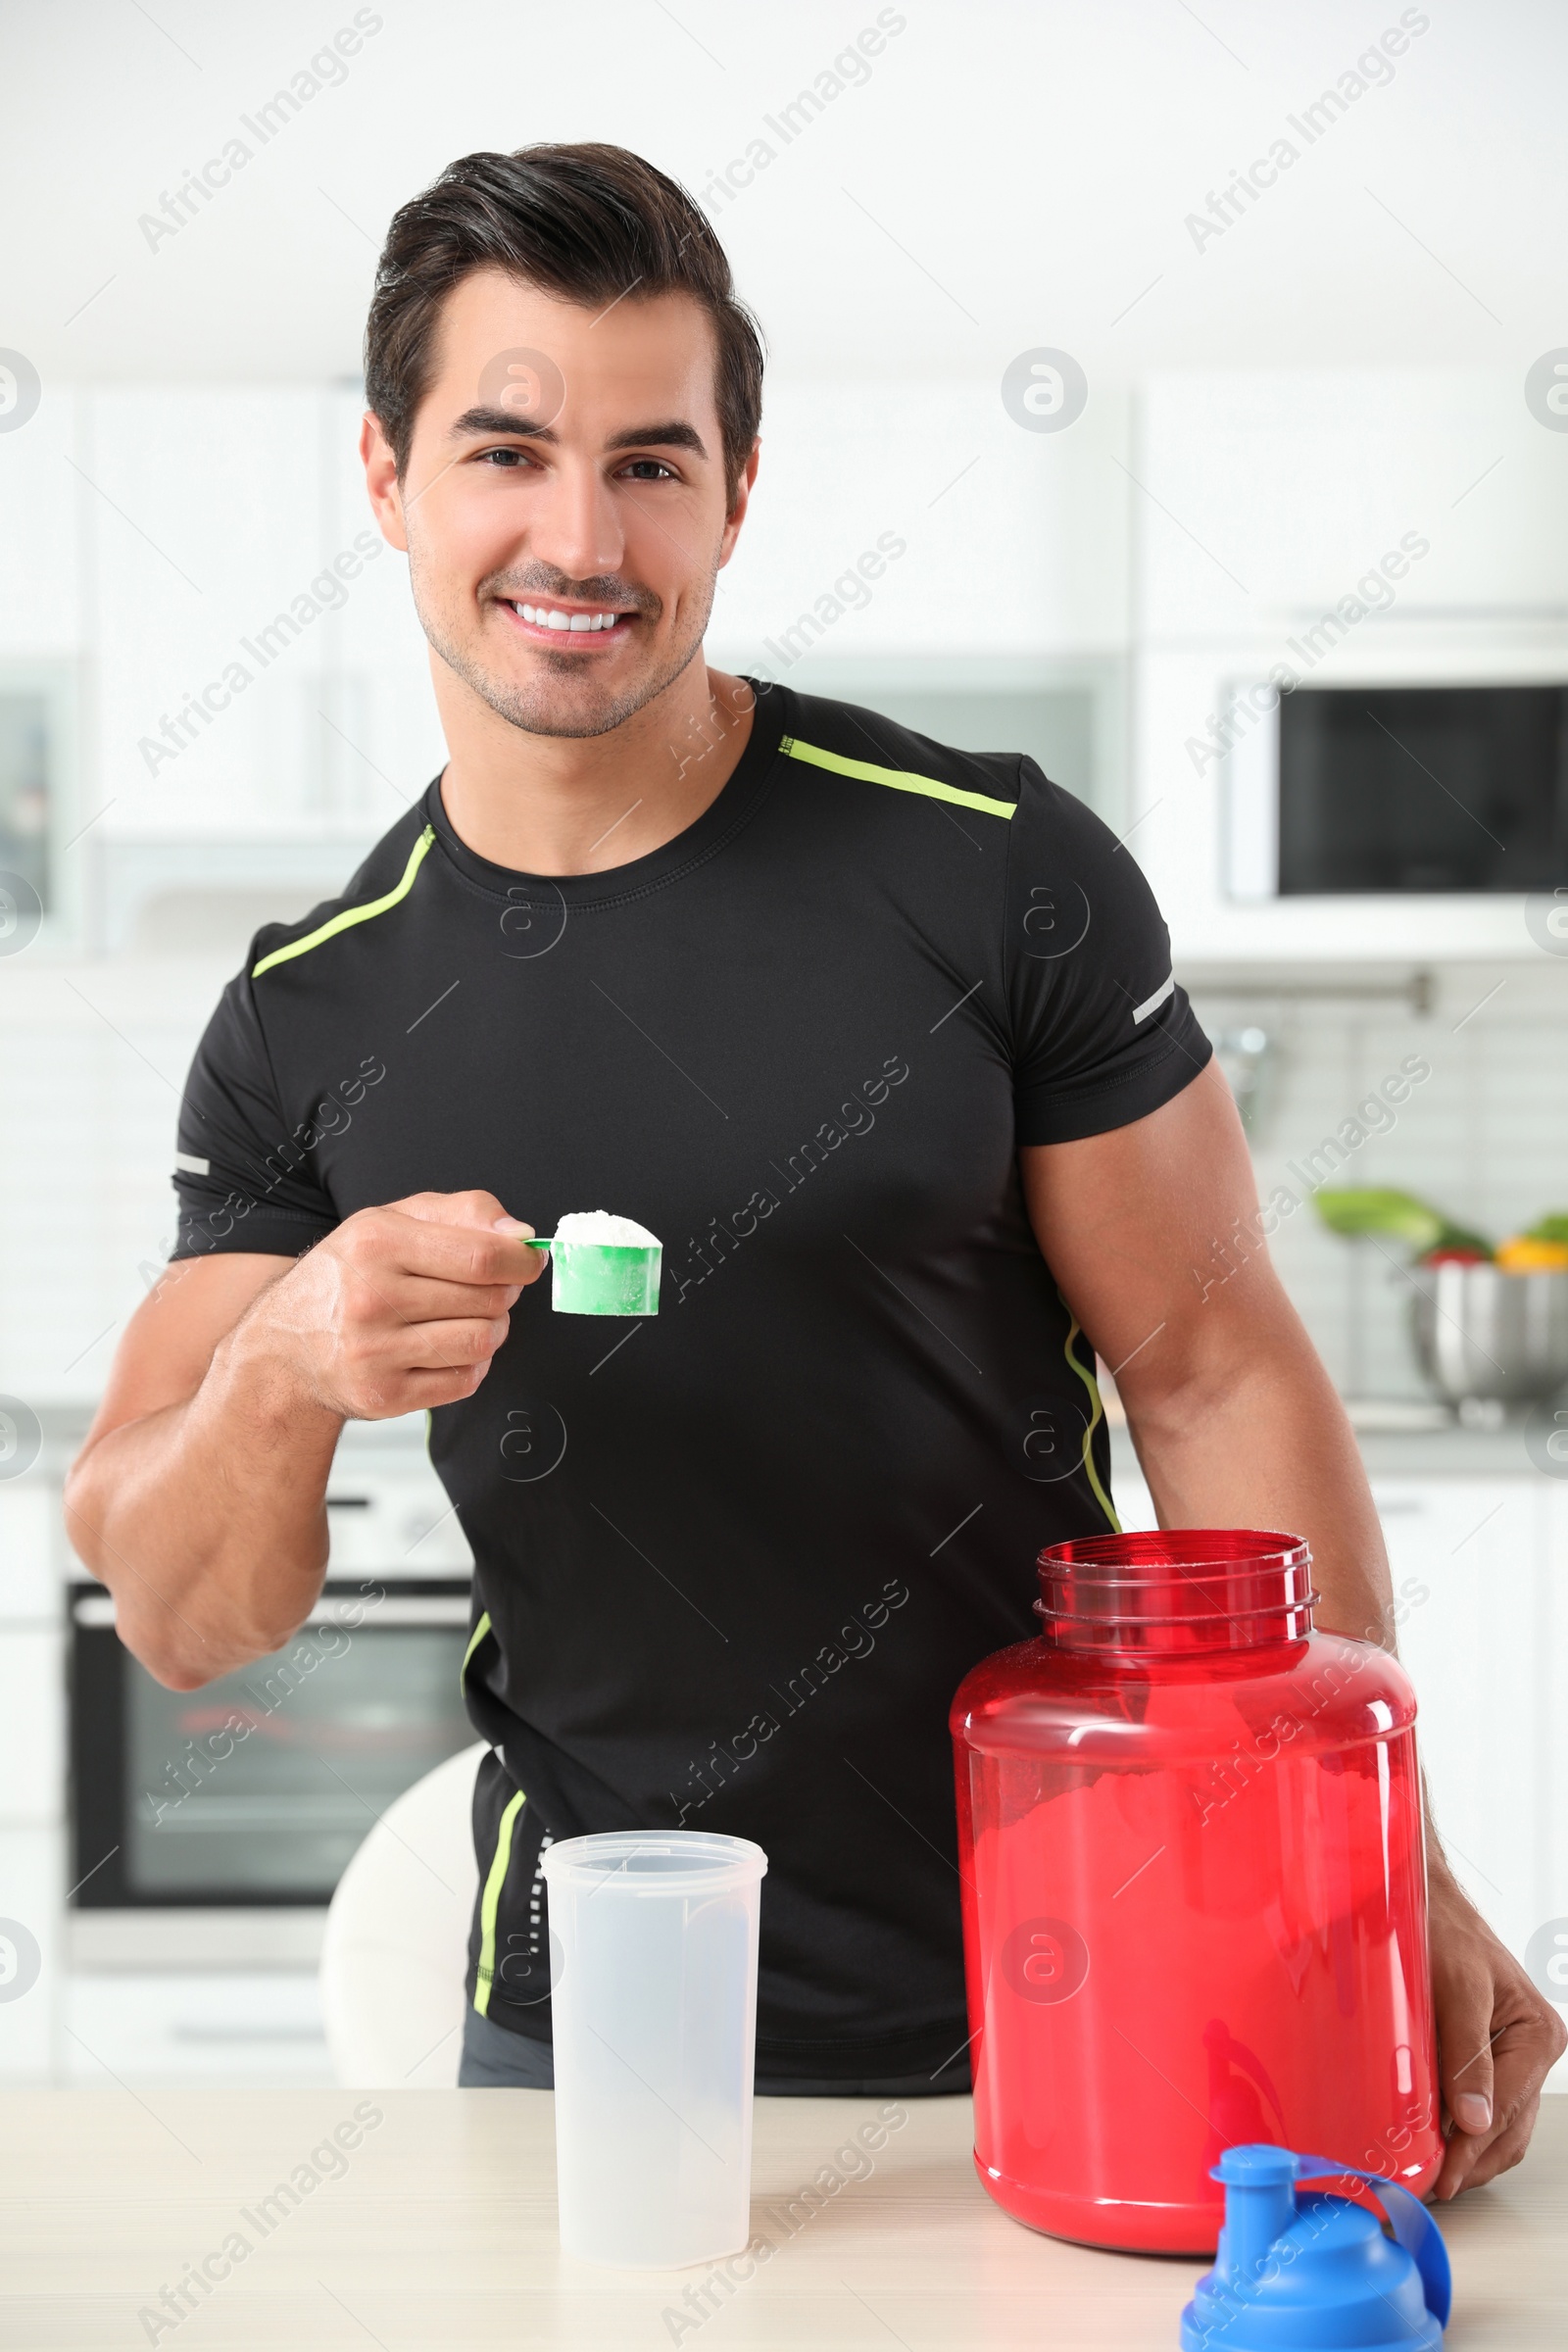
point(574, 527)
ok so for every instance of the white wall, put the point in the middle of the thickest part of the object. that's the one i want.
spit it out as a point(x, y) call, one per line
point(1011, 173)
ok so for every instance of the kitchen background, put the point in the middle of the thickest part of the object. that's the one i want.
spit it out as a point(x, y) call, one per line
point(1140, 414)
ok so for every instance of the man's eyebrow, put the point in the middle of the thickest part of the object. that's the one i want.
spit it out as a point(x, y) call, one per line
point(498, 421)
point(673, 433)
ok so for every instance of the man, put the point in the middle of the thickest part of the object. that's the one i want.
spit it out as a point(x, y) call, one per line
point(881, 1038)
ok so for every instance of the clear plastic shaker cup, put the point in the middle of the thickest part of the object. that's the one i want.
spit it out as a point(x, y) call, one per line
point(653, 2001)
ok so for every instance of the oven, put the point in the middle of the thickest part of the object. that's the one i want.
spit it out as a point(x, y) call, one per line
point(256, 1790)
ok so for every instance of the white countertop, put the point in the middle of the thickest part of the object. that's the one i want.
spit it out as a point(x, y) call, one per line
point(440, 2235)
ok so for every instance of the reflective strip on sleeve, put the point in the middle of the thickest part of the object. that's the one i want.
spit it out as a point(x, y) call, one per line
point(1166, 988)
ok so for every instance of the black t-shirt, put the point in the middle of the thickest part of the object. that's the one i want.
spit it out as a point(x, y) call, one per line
point(733, 1561)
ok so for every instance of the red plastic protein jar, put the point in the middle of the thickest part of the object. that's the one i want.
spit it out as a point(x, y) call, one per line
point(1195, 1908)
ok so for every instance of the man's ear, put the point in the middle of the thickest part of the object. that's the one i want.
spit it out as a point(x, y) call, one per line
point(737, 512)
point(382, 481)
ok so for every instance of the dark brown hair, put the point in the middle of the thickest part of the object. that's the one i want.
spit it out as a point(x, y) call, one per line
point(590, 223)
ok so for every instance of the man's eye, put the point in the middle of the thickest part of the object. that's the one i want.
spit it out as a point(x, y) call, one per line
point(507, 459)
point(649, 469)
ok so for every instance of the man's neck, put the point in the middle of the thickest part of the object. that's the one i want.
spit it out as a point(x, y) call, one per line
point(579, 805)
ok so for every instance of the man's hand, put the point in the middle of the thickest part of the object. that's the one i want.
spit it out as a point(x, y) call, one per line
point(198, 1496)
point(400, 1309)
point(1497, 2039)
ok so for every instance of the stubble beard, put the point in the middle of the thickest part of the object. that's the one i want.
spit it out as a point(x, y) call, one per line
point(580, 706)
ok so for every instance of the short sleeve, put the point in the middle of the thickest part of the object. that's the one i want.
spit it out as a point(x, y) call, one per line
point(1102, 1032)
point(243, 1173)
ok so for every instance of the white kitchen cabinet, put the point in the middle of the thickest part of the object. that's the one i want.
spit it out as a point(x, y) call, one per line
point(1266, 495)
point(1552, 1651)
point(32, 1724)
point(40, 580)
point(386, 737)
point(31, 1896)
point(237, 567)
point(218, 2026)
point(1468, 1562)
point(943, 469)
point(260, 719)
point(30, 1591)
point(204, 525)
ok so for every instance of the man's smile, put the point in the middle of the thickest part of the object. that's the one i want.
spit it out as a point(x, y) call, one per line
point(584, 628)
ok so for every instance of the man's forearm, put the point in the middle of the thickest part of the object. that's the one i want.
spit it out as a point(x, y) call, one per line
point(1272, 1448)
point(202, 1502)
point(206, 1519)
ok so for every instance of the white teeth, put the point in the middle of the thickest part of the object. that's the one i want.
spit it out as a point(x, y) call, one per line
point(549, 617)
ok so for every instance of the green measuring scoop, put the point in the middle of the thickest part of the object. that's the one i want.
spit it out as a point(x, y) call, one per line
point(603, 1278)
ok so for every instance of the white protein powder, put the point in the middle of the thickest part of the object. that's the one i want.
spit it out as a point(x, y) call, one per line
point(598, 1225)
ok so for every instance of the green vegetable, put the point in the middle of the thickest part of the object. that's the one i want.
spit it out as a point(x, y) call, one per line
point(1553, 1227)
point(1368, 1209)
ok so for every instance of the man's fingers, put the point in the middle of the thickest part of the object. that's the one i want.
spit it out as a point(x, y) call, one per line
point(425, 1299)
point(1467, 2001)
point(447, 1346)
point(452, 1208)
point(1500, 2154)
point(1466, 2033)
point(482, 1210)
point(1472, 2112)
point(420, 1392)
point(448, 1249)
point(1492, 2126)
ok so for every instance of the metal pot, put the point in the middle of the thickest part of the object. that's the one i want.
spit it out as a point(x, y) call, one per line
point(1480, 1332)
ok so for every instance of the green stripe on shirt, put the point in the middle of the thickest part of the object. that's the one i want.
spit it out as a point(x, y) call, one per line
point(352, 914)
point(899, 779)
point(474, 1639)
point(490, 1903)
point(1096, 1416)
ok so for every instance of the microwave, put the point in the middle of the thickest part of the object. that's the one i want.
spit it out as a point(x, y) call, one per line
point(1414, 791)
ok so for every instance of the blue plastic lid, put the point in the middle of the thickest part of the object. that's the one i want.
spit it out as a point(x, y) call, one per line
point(1313, 2272)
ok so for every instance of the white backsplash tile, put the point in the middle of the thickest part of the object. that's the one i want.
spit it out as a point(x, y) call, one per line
point(1484, 1138)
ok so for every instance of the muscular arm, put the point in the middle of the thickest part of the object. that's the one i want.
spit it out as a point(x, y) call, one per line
point(1237, 1424)
point(197, 1501)
point(1235, 1419)
point(199, 1497)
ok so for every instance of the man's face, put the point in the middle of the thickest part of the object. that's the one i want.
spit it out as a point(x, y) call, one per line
point(563, 506)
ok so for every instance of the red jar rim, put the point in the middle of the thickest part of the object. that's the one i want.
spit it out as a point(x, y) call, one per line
point(1176, 1589)
point(1187, 1548)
